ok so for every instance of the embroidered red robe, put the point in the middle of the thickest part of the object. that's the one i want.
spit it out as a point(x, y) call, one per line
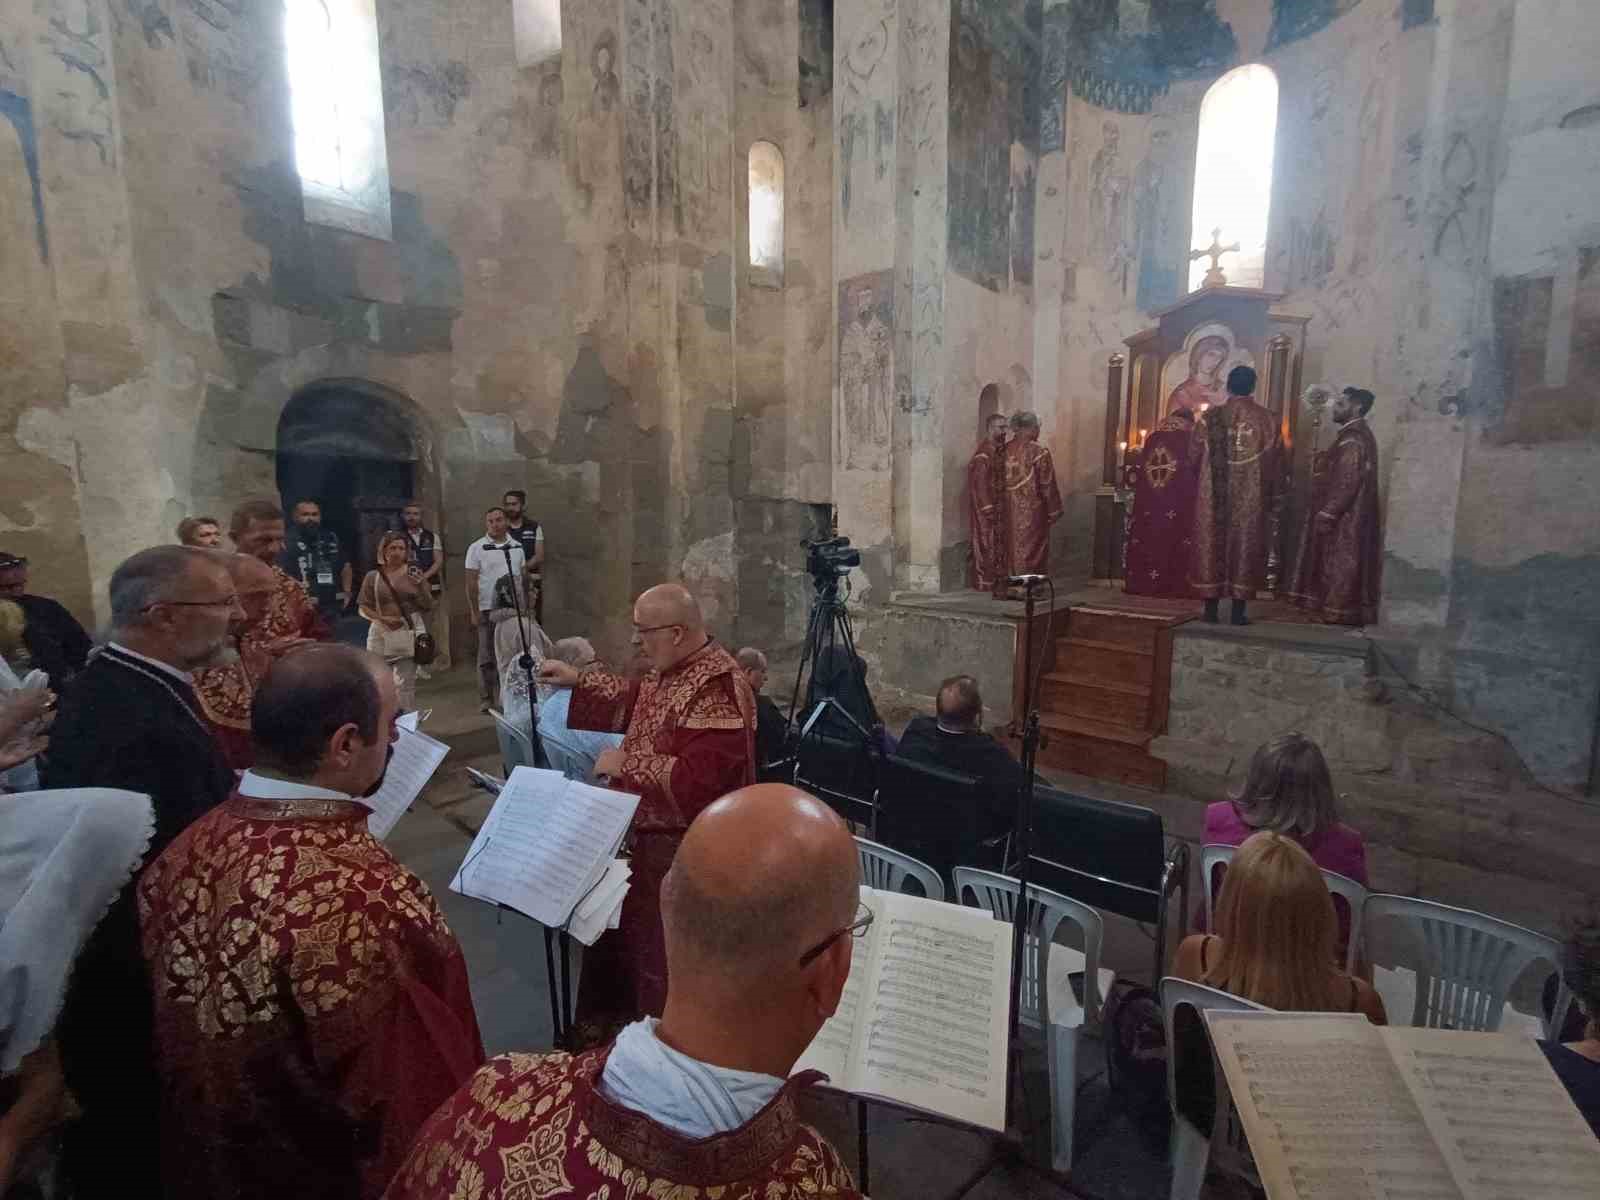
point(1032, 504)
point(986, 484)
point(311, 1004)
point(689, 738)
point(537, 1126)
point(1341, 549)
point(1235, 450)
point(1161, 533)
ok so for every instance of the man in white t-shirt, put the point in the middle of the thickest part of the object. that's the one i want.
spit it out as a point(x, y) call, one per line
point(486, 566)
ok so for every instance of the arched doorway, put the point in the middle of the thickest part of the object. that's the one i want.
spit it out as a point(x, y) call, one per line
point(356, 449)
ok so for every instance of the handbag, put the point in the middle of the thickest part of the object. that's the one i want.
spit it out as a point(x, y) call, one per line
point(415, 643)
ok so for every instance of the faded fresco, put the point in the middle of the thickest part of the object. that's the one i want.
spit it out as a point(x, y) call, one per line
point(816, 51)
point(994, 139)
point(1549, 367)
point(866, 368)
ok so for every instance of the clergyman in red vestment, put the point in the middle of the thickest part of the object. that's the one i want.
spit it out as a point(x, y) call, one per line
point(1161, 533)
point(311, 1004)
point(688, 737)
point(1237, 459)
point(1338, 567)
point(1032, 502)
point(761, 909)
point(986, 483)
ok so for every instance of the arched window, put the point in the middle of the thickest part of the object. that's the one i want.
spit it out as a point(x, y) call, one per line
point(336, 103)
point(766, 214)
point(536, 26)
point(1233, 172)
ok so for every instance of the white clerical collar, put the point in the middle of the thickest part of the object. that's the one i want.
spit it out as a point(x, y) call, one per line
point(153, 662)
point(943, 728)
point(264, 787)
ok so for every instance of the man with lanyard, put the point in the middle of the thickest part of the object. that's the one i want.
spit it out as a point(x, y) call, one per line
point(525, 531)
point(426, 554)
point(486, 563)
point(314, 557)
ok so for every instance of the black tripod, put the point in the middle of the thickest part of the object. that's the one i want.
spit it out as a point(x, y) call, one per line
point(828, 630)
point(525, 662)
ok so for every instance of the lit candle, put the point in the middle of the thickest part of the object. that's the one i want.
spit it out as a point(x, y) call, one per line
point(1204, 406)
point(1143, 435)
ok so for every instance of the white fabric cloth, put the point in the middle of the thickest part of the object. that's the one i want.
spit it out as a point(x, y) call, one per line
point(491, 565)
point(24, 777)
point(64, 857)
point(267, 787)
point(184, 676)
point(686, 1095)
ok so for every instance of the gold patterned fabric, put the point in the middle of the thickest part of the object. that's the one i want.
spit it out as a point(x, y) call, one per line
point(1236, 454)
point(537, 1127)
point(311, 1003)
point(1340, 559)
point(986, 485)
point(1032, 504)
point(690, 739)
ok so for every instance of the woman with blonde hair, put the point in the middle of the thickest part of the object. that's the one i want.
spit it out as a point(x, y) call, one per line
point(1275, 936)
point(392, 596)
point(1288, 790)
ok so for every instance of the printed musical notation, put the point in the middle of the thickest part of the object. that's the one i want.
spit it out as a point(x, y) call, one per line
point(923, 1017)
point(1335, 1107)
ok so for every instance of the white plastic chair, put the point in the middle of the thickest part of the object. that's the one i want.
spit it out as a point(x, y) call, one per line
point(1468, 962)
point(1190, 1150)
point(1355, 895)
point(884, 869)
point(1054, 1008)
point(515, 748)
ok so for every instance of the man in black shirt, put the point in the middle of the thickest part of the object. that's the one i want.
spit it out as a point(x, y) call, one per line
point(525, 531)
point(56, 643)
point(955, 740)
point(314, 557)
point(770, 721)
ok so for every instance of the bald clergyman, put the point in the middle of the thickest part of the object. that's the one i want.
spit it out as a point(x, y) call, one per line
point(761, 906)
point(689, 737)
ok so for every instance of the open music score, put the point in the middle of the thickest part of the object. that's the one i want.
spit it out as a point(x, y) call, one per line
point(922, 1021)
point(1336, 1107)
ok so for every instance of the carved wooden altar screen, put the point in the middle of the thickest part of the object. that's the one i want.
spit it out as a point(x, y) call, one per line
point(1184, 360)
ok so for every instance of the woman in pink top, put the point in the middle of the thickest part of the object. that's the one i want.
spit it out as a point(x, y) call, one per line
point(1289, 791)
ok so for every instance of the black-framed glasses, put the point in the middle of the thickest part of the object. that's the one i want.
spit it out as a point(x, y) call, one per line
point(856, 929)
point(226, 602)
point(10, 562)
point(638, 632)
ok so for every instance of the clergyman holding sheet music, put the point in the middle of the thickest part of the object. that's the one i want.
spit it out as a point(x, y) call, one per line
point(762, 914)
point(689, 737)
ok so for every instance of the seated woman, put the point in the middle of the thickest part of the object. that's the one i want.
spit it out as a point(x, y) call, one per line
point(1288, 790)
point(1275, 936)
point(1577, 1063)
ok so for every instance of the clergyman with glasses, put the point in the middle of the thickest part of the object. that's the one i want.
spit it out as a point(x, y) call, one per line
point(688, 737)
point(761, 908)
point(131, 720)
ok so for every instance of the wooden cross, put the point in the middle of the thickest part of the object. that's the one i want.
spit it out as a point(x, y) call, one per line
point(1215, 251)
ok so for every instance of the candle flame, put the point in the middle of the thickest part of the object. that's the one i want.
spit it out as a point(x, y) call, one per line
point(1204, 407)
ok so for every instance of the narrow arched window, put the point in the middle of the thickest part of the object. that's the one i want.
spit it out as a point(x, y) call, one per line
point(1233, 173)
point(336, 104)
point(766, 214)
point(536, 26)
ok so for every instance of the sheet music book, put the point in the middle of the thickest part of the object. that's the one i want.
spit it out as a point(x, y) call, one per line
point(547, 842)
point(416, 757)
point(1336, 1107)
point(922, 1021)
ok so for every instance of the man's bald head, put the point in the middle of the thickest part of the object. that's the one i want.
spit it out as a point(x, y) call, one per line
point(762, 876)
point(253, 580)
point(668, 625)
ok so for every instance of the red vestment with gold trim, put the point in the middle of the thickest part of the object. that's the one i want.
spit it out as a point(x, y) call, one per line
point(1032, 504)
point(537, 1127)
point(986, 485)
point(311, 1004)
point(1236, 454)
point(689, 738)
point(1340, 560)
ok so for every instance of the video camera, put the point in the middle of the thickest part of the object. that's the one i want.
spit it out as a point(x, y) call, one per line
point(829, 560)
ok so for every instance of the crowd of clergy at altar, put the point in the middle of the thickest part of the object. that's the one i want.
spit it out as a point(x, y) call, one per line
point(216, 983)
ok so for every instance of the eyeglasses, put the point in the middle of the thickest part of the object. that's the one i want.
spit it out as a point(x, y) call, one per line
point(856, 929)
point(10, 562)
point(639, 633)
point(226, 602)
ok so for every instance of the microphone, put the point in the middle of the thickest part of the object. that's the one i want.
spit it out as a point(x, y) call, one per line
point(1025, 579)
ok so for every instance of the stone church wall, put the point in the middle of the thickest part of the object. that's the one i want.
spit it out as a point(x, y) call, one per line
point(555, 309)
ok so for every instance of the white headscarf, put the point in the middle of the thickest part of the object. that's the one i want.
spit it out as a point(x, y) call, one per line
point(64, 857)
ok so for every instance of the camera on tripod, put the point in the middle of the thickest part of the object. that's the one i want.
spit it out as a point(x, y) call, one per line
point(829, 560)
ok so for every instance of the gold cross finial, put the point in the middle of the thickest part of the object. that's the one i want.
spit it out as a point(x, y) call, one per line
point(1215, 251)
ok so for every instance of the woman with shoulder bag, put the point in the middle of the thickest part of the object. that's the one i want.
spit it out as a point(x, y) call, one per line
point(391, 598)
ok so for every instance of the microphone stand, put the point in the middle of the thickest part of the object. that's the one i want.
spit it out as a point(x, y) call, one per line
point(526, 661)
point(1024, 830)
